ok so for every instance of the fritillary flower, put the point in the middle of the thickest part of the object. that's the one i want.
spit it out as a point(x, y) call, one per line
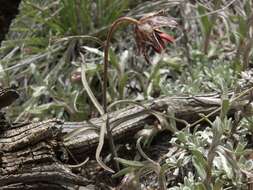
point(148, 33)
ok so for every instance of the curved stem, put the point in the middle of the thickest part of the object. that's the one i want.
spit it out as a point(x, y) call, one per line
point(106, 51)
point(106, 55)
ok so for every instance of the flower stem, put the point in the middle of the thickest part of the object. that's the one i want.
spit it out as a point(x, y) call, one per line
point(113, 27)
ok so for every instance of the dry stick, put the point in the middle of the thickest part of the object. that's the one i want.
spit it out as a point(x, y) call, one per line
point(106, 55)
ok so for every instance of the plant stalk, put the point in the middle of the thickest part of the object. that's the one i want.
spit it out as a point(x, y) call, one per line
point(113, 27)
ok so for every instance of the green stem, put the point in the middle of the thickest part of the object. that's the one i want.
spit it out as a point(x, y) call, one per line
point(106, 55)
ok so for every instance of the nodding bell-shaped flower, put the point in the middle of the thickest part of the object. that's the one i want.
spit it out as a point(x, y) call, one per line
point(148, 33)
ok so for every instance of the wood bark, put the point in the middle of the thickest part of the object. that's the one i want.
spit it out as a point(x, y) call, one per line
point(29, 158)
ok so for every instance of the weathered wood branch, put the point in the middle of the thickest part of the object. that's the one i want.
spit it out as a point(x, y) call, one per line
point(29, 159)
point(127, 121)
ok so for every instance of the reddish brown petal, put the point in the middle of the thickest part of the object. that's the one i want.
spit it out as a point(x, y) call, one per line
point(157, 43)
point(166, 37)
point(157, 49)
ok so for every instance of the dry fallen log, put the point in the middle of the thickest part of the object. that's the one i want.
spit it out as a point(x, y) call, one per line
point(29, 159)
point(129, 120)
